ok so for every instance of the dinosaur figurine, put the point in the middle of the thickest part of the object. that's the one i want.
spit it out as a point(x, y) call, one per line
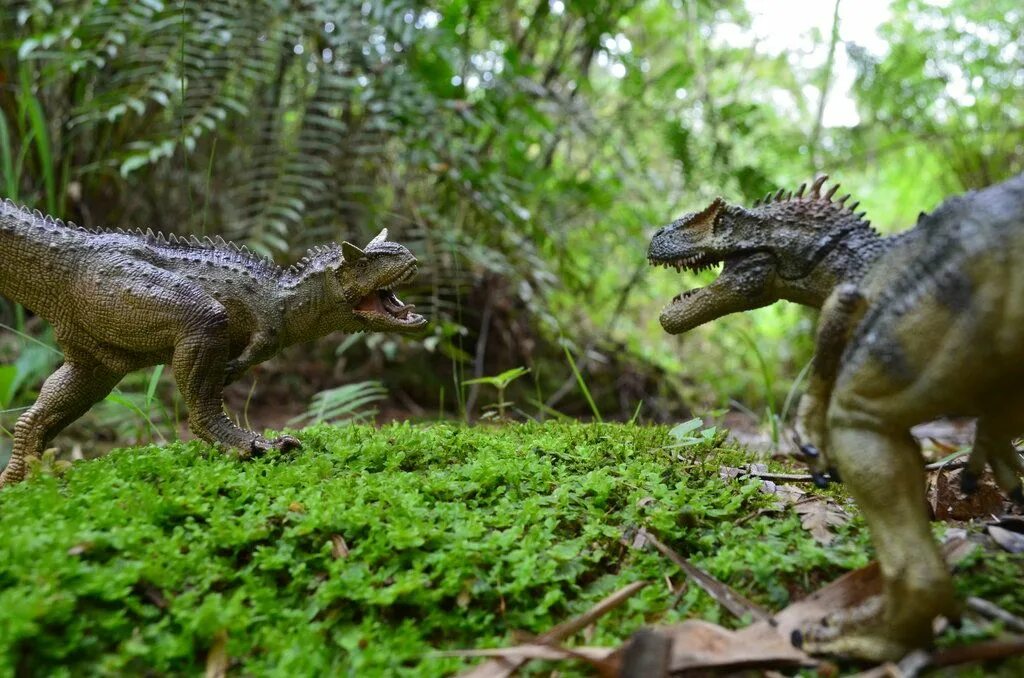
point(914, 326)
point(119, 301)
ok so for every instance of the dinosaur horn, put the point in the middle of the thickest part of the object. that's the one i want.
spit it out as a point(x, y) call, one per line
point(800, 191)
point(831, 192)
point(816, 186)
point(351, 252)
point(380, 237)
point(710, 212)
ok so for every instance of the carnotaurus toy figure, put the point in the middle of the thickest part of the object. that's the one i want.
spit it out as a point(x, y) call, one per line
point(119, 301)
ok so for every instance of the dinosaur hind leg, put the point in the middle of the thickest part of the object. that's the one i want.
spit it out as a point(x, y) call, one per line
point(65, 396)
point(199, 362)
point(993, 444)
point(882, 469)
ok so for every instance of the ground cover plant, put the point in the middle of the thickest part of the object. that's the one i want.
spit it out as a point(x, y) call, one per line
point(370, 549)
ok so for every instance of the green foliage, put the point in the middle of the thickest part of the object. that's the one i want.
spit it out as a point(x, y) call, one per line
point(343, 404)
point(455, 537)
point(950, 83)
point(500, 382)
point(693, 433)
point(524, 150)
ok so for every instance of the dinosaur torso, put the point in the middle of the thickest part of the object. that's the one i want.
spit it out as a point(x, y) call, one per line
point(121, 300)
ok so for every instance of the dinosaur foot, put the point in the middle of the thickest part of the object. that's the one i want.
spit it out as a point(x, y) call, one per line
point(857, 633)
point(1017, 495)
point(14, 473)
point(812, 456)
point(261, 445)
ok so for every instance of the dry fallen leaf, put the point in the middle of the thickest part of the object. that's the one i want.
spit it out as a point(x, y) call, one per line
point(339, 549)
point(701, 645)
point(217, 657)
point(948, 502)
point(818, 514)
point(730, 472)
point(80, 548)
point(787, 494)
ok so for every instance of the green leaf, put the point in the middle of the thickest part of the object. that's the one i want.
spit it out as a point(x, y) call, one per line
point(685, 429)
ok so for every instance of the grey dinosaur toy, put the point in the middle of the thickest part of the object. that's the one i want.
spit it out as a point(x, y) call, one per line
point(925, 323)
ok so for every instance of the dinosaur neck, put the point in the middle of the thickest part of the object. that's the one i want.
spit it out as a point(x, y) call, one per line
point(847, 262)
point(819, 243)
point(308, 310)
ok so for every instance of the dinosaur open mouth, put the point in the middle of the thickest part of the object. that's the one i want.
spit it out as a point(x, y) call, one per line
point(385, 302)
point(694, 263)
point(698, 305)
point(384, 305)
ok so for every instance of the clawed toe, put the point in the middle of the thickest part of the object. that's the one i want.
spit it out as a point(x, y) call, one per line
point(968, 481)
point(287, 443)
point(1017, 495)
point(283, 444)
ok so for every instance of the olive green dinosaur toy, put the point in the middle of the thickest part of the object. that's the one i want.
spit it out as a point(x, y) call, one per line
point(922, 324)
point(119, 301)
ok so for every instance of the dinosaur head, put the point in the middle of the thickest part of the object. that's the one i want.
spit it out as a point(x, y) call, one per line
point(363, 280)
point(769, 252)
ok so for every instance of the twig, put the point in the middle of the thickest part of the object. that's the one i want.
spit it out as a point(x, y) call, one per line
point(780, 477)
point(500, 668)
point(725, 596)
point(945, 465)
point(994, 612)
point(981, 652)
point(807, 478)
point(568, 628)
point(481, 354)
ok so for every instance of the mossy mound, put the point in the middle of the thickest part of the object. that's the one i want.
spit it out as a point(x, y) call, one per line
point(372, 548)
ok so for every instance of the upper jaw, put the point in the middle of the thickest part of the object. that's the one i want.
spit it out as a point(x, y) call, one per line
point(695, 261)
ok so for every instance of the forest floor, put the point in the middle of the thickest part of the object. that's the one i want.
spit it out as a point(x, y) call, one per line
point(372, 551)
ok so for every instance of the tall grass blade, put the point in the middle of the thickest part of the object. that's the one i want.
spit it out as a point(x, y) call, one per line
point(41, 136)
point(154, 379)
point(9, 179)
point(582, 384)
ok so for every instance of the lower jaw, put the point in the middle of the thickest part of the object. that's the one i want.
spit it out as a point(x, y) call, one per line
point(390, 323)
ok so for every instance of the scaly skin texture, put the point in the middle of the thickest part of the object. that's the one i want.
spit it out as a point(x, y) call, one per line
point(926, 323)
point(122, 301)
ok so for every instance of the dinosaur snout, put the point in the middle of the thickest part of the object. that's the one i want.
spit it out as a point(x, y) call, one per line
point(662, 246)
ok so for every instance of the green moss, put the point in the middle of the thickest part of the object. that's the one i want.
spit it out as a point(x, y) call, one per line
point(458, 537)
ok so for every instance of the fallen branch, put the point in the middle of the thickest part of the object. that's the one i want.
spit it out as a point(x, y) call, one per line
point(980, 652)
point(808, 478)
point(994, 612)
point(725, 596)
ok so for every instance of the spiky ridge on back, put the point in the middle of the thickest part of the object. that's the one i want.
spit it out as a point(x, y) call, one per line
point(214, 248)
point(782, 196)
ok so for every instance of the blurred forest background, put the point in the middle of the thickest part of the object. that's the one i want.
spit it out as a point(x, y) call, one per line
point(524, 149)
